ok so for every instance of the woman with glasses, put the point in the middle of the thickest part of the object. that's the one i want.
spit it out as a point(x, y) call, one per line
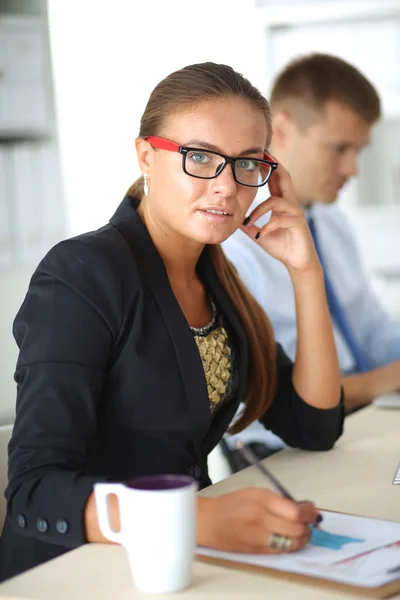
point(138, 341)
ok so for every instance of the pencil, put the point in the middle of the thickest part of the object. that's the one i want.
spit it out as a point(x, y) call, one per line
point(251, 458)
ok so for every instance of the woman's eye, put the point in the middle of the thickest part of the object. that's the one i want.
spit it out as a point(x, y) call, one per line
point(199, 157)
point(246, 164)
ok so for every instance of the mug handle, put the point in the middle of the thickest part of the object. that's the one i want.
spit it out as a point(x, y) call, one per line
point(101, 492)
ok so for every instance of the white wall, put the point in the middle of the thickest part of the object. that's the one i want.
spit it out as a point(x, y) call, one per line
point(107, 57)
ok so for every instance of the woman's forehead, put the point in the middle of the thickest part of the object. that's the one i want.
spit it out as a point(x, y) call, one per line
point(230, 123)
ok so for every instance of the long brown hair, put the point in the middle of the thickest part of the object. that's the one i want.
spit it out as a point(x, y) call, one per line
point(181, 89)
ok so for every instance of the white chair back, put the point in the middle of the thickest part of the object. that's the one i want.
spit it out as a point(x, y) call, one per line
point(5, 435)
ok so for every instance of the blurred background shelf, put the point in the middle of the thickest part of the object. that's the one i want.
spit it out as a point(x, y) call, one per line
point(25, 85)
point(32, 211)
point(31, 203)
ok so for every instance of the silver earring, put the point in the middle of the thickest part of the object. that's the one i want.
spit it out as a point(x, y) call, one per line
point(145, 184)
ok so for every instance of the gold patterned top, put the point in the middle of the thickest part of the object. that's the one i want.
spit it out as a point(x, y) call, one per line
point(217, 356)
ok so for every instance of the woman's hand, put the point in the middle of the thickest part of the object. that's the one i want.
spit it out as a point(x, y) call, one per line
point(286, 236)
point(243, 521)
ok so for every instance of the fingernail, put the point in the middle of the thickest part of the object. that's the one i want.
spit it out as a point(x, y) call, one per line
point(318, 520)
point(246, 221)
point(257, 235)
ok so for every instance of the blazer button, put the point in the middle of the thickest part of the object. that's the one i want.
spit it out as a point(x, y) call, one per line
point(21, 520)
point(61, 526)
point(42, 525)
point(194, 471)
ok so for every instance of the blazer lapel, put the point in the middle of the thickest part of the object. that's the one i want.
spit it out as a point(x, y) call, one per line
point(189, 362)
point(223, 419)
point(154, 274)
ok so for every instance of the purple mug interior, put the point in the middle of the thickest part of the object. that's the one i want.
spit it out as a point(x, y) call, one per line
point(160, 482)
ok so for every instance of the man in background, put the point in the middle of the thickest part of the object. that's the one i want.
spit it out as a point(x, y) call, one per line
point(323, 110)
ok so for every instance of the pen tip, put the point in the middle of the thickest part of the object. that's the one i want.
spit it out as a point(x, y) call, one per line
point(318, 520)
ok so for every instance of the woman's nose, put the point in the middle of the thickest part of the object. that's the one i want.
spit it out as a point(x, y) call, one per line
point(224, 182)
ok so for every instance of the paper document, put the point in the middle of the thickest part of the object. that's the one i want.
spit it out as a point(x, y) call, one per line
point(364, 550)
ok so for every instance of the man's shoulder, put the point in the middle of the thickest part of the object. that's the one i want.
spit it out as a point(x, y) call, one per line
point(339, 244)
point(334, 218)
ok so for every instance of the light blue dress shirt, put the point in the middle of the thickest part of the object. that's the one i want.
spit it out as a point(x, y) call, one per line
point(377, 333)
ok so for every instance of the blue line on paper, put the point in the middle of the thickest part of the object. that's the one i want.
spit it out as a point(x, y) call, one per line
point(319, 537)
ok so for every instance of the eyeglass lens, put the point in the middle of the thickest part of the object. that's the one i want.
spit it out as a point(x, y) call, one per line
point(248, 171)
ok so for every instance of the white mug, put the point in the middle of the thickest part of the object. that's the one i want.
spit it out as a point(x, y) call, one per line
point(157, 516)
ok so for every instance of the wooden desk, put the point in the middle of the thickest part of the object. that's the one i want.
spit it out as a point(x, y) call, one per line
point(354, 477)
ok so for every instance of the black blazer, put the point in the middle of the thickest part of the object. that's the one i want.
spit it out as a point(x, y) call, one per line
point(111, 386)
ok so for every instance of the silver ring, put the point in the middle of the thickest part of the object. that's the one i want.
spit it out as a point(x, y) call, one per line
point(280, 542)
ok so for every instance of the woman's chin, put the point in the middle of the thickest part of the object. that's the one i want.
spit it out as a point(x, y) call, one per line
point(216, 235)
point(218, 238)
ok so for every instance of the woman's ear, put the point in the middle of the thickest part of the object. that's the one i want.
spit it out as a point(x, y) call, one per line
point(144, 153)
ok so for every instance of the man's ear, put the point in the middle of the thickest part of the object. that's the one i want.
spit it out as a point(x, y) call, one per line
point(282, 128)
point(144, 153)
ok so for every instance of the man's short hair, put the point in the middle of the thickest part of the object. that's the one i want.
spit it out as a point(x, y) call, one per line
point(308, 82)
